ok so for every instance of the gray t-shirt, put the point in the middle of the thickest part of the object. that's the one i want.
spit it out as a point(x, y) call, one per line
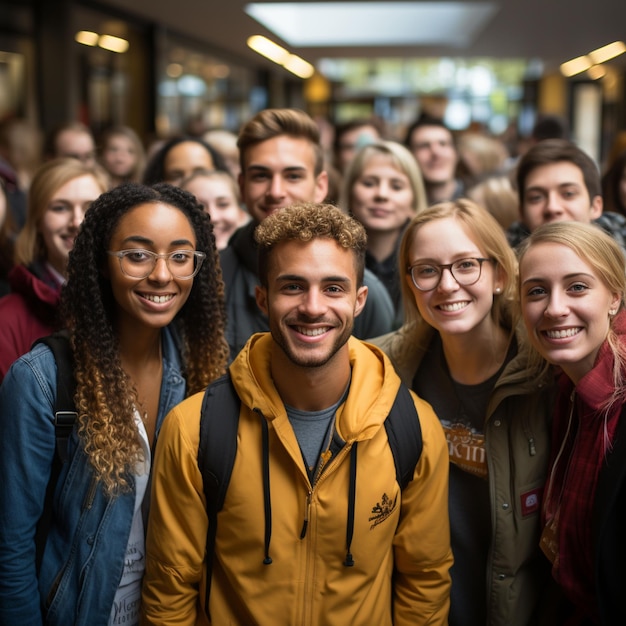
point(314, 431)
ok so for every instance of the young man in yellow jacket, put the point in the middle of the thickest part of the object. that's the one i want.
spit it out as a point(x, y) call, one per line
point(292, 544)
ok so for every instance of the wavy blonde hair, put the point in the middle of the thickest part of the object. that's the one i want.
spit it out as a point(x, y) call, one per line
point(604, 256)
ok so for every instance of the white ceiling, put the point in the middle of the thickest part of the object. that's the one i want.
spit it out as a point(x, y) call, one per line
point(553, 31)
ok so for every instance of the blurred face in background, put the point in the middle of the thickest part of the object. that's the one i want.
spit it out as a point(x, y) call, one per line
point(217, 195)
point(382, 197)
point(63, 216)
point(76, 144)
point(184, 159)
point(119, 156)
point(435, 153)
point(350, 143)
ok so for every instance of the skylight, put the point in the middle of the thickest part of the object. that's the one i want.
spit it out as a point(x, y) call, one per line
point(318, 24)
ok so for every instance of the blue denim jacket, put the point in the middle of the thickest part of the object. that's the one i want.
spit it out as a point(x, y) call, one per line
point(84, 555)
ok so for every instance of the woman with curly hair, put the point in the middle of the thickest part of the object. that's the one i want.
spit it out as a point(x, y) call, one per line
point(144, 307)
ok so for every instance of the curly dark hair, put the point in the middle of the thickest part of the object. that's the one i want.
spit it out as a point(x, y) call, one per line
point(105, 395)
point(155, 168)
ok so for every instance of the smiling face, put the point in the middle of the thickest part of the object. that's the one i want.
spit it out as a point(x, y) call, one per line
point(217, 197)
point(382, 197)
point(311, 300)
point(59, 225)
point(450, 308)
point(565, 306)
point(556, 192)
point(278, 172)
point(155, 300)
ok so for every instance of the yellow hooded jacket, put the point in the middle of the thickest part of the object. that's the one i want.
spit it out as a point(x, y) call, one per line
point(400, 545)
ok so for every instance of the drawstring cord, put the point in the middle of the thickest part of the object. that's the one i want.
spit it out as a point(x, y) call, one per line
point(266, 490)
point(349, 562)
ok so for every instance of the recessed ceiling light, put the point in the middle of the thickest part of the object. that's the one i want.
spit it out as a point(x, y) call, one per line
point(316, 24)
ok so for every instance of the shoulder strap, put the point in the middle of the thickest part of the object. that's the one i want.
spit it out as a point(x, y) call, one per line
point(405, 435)
point(64, 410)
point(219, 421)
point(64, 418)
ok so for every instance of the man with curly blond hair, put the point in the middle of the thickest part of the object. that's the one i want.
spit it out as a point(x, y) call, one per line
point(316, 527)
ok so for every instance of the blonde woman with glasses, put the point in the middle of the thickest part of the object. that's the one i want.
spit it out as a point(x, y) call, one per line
point(461, 350)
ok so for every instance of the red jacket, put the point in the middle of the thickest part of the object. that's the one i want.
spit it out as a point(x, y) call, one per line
point(27, 313)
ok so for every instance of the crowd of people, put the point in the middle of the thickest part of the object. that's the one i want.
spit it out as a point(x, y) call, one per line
point(392, 370)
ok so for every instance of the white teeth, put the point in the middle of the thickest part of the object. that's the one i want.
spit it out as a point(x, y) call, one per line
point(456, 306)
point(562, 334)
point(159, 299)
point(310, 332)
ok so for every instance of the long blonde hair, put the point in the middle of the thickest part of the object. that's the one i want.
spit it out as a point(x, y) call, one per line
point(601, 253)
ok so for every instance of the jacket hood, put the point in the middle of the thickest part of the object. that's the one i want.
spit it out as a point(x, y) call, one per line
point(373, 386)
point(32, 285)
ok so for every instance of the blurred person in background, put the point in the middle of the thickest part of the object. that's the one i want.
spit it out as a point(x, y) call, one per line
point(218, 194)
point(433, 145)
point(480, 156)
point(614, 185)
point(60, 194)
point(225, 143)
point(178, 158)
point(72, 139)
point(383, 189)
point(122, 155)
point(20, 156)
point(7, 234)
point(496, 194)
point(350, 137)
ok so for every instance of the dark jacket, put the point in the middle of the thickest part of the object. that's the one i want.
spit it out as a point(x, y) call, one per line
point(240, 270)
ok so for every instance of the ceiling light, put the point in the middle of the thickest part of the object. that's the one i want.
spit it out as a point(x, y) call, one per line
point(267, 48)
point(113, 44)
point(610, 51)
point(299, 67)
point(272, 51)
point(596, 72)
point(86, 37)
point(576, 66)
point(374, 23)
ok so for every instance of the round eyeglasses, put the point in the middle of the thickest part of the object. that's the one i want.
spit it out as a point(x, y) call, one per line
point(427, 276)
point(139, 263)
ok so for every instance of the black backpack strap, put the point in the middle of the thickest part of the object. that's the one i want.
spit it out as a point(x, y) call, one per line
point(219, 421)
point(64, 419)
point(405, 435)
point(65, 415)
